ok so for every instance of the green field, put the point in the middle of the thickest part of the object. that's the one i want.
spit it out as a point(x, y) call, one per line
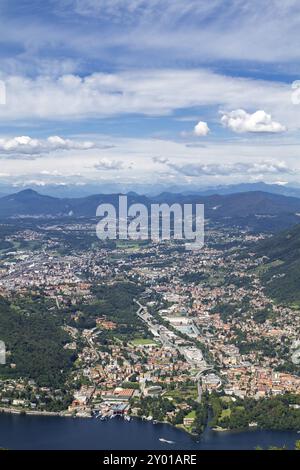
point(130, 245)
point(192, 414)
point(142, 342)
point(183, 393)
point(225, 414)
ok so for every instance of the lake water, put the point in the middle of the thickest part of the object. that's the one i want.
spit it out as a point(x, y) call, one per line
point(39, 432)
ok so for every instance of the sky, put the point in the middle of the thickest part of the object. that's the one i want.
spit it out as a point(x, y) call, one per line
point(184, 93)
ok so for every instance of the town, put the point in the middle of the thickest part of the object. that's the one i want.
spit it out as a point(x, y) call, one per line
point(148, 330)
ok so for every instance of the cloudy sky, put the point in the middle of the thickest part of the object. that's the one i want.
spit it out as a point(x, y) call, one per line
point(188, 92)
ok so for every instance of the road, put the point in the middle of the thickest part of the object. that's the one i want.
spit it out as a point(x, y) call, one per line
point(162, 334)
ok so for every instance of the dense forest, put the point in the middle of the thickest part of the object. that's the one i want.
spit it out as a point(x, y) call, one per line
point(114, 302)
point(281, 273)
point(31, 328)
point(278, 413)
point(34, 340)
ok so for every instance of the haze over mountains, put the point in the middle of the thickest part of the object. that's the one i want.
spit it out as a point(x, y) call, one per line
point(78, 191)
point(256, 210)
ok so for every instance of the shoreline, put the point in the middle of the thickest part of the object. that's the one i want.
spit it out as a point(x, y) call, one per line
point(16, 411)
point(46, 433)
point(219, 429)
point(63, 414)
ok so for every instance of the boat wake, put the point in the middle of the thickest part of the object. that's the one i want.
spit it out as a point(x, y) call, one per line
point(161, 439)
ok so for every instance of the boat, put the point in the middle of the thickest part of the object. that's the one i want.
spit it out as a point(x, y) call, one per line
point(161, 439)
point(127, 418)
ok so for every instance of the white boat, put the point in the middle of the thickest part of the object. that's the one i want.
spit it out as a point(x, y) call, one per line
point(161, 439)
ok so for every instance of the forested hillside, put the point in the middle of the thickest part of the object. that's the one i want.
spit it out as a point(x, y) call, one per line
point(282, 265)
point(34, 341)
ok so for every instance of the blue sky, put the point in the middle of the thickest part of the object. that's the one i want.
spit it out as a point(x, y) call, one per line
point(185, 92)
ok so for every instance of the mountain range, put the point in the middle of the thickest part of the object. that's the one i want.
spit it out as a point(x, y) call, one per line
point(72, 190)
point(256, 210)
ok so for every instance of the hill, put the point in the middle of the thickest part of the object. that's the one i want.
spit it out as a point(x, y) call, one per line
point(35, 342)
point(281, 273)
point(282, 189)
point(256, 210)
point(31, 203)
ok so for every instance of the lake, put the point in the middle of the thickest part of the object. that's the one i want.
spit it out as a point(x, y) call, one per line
point(44, 432)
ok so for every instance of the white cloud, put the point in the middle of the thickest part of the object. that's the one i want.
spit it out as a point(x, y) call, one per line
point(265, 157)
point(142, 9)
point(161, 160)
point(241, 121)
point(194, 28)
point(106, 164)
point(25, 145)
point(150, 92)
point(123, 33)
point(201, 129)
point(238, 168)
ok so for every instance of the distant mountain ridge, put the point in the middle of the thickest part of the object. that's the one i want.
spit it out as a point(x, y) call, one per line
point(282, 189)
point(256, 209)
point(31, 203)
point(70, 190)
